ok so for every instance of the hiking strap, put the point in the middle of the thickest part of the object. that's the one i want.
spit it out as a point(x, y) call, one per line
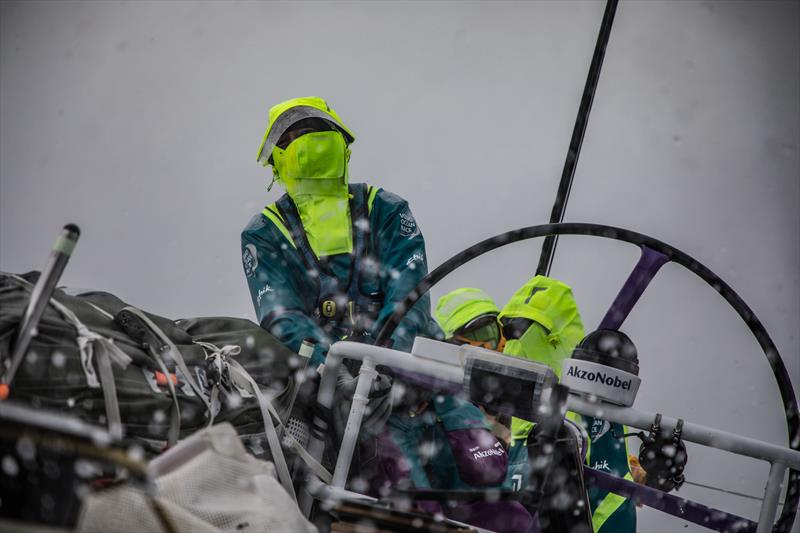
point(107, 353)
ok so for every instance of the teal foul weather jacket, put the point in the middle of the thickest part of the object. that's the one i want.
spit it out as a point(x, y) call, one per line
point(608, 453)
point(288, 294)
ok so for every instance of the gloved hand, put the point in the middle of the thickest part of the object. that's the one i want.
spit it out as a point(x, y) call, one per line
point(361, 337)
point(378, 407)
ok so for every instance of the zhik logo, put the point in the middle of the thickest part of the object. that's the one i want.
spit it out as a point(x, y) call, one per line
point(599, 377)
point(417, 256)
point(262, 292)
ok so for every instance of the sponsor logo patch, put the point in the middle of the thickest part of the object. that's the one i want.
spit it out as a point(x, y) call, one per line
point(250, 260)
point(599, 428)
point(483, 454)
point(602, 465)
point(408, 226)
point(600, 377)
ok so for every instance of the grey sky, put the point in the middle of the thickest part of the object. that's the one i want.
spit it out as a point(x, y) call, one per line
point(140, 122)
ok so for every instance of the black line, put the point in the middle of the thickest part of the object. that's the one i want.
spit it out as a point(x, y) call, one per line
point(581, 121)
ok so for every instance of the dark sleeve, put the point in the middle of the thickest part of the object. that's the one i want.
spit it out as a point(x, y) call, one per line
point(282, 292)
point(403, 263)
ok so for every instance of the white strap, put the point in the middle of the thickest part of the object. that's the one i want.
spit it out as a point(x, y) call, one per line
point(315, 466)
point(272, 436)
point(235, 370)
point(109, 391)
point(108, 352)
point(101, 310)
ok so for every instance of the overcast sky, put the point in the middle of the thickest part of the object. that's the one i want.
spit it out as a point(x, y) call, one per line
point(140, 122)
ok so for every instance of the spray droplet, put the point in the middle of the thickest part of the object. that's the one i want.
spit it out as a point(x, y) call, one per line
point(26, 449)
point(59, 359)
point(10, 466)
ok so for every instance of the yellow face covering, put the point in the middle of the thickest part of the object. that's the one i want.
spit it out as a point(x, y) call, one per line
point(312, 163)
point(313, 170)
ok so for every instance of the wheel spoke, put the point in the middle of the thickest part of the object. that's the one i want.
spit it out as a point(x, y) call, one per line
point(640, 277)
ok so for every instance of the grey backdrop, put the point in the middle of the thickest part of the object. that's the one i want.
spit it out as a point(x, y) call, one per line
point(140, 121)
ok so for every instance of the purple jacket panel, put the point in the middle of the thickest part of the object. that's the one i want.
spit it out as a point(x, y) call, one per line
point(481, 459)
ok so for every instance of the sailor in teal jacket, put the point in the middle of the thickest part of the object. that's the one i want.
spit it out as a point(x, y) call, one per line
point(329, 260)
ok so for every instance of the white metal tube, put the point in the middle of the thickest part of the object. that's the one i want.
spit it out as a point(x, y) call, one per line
point(396, 359)
point(625, 415)
point(366, 376)
point(376, 355)
point(772, 493)
point(780, 457)
point(691, 432)
point(321, 491)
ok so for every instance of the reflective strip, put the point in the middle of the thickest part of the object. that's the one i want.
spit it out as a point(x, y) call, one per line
point(298, 109)
point(373, 192)
point(279, 223)
point(64, 244)
point(607, 507)
point(520, 429)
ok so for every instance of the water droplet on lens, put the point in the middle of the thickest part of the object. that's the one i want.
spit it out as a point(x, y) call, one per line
point(59, 359)
point(10, 466)
point(26, 449)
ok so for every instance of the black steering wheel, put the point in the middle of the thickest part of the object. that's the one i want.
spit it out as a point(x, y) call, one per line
point(655, 253)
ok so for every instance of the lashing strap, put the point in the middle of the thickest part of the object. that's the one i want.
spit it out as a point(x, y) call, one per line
point(236, 371)
point(240, 379)
point(107, 353)
point(173, 352)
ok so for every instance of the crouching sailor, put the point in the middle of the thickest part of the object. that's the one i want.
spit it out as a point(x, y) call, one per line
point(541, 322)
point(445, 443)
